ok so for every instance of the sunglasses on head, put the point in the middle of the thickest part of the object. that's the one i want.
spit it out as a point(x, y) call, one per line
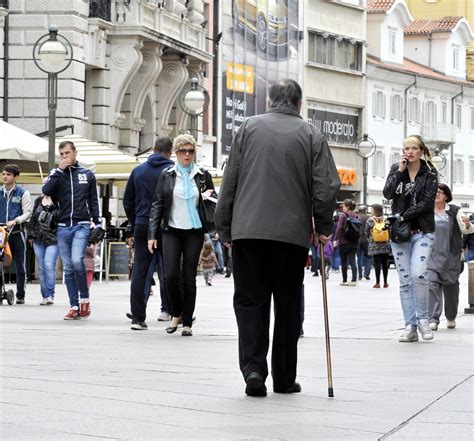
point(186, 151)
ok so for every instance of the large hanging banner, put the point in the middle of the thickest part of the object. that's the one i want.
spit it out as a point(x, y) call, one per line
point(260, 45)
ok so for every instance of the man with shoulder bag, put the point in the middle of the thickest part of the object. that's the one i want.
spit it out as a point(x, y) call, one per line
point(15, 210)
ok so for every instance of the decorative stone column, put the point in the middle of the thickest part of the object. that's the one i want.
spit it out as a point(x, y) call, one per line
point(139, 88)
point(169, 84)
point(125, 61)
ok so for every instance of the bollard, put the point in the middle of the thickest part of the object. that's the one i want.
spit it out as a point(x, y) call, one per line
point(470, 289)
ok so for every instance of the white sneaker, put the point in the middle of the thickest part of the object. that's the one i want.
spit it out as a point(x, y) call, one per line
point(352, 283)
point(451, 324)
point(425, 330)
point(44, 302)
point(434, 326)
point(409, 335)
point(164, 317)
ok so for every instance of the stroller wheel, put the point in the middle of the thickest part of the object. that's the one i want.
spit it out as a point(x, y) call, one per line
point(10, 296)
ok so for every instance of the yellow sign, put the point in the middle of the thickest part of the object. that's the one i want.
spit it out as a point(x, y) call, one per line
point(347, 176)
point(240, 77)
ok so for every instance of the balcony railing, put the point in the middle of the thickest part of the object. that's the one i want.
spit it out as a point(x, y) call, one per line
point(439, 133)
point(100, 9)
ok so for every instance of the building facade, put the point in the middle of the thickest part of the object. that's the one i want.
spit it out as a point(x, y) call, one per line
point(416, 84)
point(334, 82)
point(131, 61)
point(436, 9)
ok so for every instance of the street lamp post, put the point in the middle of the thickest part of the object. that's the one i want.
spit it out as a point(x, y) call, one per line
point(365, 148)
point(194, 100)
point(52, 54)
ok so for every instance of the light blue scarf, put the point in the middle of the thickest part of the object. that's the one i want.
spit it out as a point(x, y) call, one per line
point(188, 194)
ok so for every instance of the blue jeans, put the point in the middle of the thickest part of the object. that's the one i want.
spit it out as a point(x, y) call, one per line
point(470, 255)
point(218, 250)
point(364, 261)
point(411, 260)
point(72, 242)
point(157, 265)
point(46, 256)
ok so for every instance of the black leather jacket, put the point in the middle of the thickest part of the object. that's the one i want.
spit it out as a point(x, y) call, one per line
point(423, 199)
point(161, 207)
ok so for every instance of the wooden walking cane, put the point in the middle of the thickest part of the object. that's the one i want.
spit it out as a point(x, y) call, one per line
point(326, 320)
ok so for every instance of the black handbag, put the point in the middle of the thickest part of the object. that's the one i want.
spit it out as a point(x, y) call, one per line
point(400, 231)
point(208, 212)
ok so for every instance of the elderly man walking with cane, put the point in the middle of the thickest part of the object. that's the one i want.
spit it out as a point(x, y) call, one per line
point(280, 173)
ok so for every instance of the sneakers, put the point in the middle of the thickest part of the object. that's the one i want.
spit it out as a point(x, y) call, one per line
point(44, 302)
point(138, 326)
point(344, 283)
point(164, 317)
point(451, 324)
point(434, 326)
point(50, 301)
point(20, 301)
point(353, 283)
point(367, 277)
point(73, 314)
point(425, 330)
point(85, 311)
point(408, 335)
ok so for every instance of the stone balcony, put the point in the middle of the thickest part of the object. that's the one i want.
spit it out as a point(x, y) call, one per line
point(176, 22)
point(439, 133)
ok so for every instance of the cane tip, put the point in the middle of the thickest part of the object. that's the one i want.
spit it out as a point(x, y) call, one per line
point(330, 392)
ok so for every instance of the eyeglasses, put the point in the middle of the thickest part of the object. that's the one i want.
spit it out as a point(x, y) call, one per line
point(186, 151)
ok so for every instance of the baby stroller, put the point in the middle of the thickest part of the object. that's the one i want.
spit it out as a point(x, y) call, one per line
point(5, 261)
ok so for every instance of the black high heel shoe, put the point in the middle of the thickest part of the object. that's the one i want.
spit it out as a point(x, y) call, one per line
point(172, 329)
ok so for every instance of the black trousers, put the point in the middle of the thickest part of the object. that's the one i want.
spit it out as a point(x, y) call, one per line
point(17, 242)
point(141, 264)
point(348, 255)
point(381, 261)
point(181, 250)
point(263, 268)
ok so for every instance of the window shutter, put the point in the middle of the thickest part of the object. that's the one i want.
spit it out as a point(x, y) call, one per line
point(392, 107)
point(383, 105)
point(374, 104)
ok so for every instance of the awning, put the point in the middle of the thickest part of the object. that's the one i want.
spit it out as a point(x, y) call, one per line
point(110, 163)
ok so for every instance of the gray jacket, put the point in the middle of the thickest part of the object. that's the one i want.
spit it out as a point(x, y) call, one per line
point(280, 172)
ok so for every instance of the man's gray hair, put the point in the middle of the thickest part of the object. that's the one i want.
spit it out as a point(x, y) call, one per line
point(286, 92)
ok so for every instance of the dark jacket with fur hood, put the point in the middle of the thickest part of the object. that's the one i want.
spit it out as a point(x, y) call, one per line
point(421, 206)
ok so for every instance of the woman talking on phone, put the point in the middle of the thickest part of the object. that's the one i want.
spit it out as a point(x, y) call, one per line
point(412, 185)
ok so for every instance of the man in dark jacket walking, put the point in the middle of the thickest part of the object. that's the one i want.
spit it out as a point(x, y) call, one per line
point(137, 201)
point(280, 174)
point(74, 188)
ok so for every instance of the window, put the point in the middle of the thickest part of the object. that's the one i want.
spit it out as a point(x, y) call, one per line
point(444, 112)
point(458, 116)
point(459, 171)
point(472, 118)
point(394, 157)
point(414, 110)
point(471, 171)
point(378, 104)
point(392, 42)
point(429, 114)
point(378, 164)
point(456, 52)
point(336, 51)
point(396, 107)
point(443, 174)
